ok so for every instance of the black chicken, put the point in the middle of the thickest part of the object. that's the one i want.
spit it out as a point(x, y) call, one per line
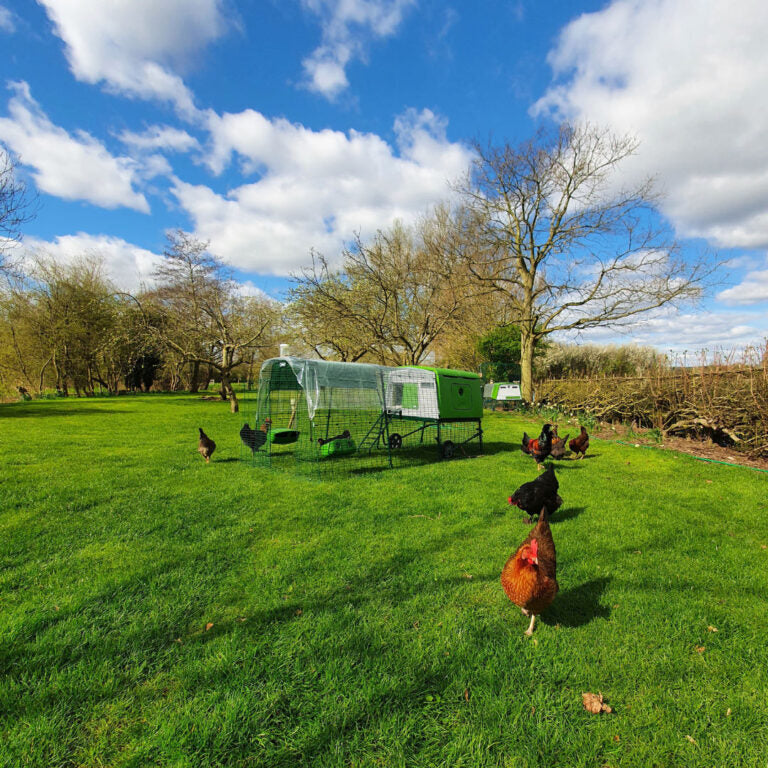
point(542, 446)
point(255, 438)
point(532, 497)
point(526, 443)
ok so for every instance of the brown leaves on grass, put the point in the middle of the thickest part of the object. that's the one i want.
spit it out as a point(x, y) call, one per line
point(208, 625)
point(710, 628)
point(593, 702)
point(700, 648)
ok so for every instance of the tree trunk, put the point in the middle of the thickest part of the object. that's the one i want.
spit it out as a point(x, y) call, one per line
point(194, 379)
point(42, 374)
point(228, 391)
point(527, 346)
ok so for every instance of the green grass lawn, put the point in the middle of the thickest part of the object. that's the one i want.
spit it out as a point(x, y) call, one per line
point(360, 621)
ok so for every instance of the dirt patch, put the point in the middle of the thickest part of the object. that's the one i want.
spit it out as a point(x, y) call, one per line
point(708, 450)
point(704, 449)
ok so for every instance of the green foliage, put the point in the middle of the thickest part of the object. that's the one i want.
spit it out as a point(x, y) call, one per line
point(500, 347)
point(156, 610)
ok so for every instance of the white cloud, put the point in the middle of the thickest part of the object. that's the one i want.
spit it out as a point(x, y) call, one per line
point(316, 189)
point(7, 24)
point(249, 289)
point(134, 46)
point(753, 289)
point(671, 329)
point(70, 167)
point(162, 137)
point(689, 81)
point(348, 26)
point(127, 265)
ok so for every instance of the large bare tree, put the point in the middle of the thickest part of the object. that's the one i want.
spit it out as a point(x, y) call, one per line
point(203, 317)
point(568, 245)
point(393, 298)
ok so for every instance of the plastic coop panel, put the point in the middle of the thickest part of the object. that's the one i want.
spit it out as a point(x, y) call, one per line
point(412, 393)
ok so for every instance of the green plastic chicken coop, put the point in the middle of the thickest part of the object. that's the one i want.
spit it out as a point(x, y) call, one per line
point(314, 415)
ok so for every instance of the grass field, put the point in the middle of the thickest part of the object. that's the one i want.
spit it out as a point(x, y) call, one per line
point(155, 610)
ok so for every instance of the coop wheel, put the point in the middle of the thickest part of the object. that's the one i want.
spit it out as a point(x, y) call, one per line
point(395, 440)
point(447, 449)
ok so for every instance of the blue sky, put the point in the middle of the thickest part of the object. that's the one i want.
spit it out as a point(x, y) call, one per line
point(269, 127)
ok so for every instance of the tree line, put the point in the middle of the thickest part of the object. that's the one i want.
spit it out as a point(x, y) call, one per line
point(543, 237)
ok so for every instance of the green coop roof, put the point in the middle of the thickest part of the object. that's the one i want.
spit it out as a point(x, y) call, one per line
point(448, 372)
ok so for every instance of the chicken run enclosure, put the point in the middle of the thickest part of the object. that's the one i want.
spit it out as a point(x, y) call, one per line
point(313, 416)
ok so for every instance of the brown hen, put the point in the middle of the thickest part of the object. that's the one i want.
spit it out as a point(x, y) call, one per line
point(580, 443)
point(529, 576)
point(205, 446)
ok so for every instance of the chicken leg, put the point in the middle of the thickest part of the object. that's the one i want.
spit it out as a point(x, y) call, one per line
point(529, 631)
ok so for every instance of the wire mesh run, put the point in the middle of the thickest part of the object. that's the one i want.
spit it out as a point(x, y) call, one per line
point(316, 417)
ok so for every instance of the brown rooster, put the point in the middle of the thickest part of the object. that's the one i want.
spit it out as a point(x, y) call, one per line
point(580, 443)
point(528, 577)
point(205, 446)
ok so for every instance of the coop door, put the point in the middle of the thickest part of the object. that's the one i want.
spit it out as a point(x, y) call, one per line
point(461, 397)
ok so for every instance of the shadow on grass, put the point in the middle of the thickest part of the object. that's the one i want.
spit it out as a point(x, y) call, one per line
point(577, 606)
point(561, 465)
point(557, 517)
point(23, 410)
point(566, 514)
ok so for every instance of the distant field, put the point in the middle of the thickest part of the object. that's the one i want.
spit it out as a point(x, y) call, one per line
point(155, 610)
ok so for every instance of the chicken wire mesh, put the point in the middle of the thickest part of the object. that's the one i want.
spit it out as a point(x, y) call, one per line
point(317, 417)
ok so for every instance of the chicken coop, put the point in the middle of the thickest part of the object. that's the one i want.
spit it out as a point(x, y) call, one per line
point(502, 393)
point(316, 416)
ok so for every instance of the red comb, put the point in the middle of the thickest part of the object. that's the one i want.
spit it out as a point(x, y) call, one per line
point(534, 547)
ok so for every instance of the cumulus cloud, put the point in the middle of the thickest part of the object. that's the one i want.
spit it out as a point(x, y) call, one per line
point(249, 289)
point(348, 27)
point(689, 82)
point(753, 289)
point(134, 46)
point(127, 265)
point(71, 167)
point(316, 189)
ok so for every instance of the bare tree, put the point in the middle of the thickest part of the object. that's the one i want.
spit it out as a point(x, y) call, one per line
point(15, 207)
point(392, 300)
point(203, 317)
point(325, 311)
point(568, 246)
